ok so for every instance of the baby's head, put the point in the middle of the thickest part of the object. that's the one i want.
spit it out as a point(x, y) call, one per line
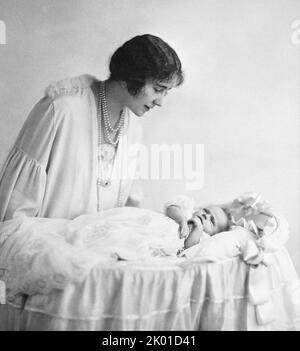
point(214, 219)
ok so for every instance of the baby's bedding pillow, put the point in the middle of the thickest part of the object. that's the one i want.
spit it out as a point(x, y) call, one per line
point(222, 246)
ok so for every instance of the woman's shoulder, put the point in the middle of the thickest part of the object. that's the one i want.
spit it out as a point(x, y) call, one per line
point(67, 87)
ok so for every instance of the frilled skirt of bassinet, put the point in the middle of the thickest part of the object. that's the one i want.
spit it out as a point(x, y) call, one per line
point(193, 296)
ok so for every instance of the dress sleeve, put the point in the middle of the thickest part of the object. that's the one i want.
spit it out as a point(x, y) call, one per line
point(135, 195)
point(23, 175)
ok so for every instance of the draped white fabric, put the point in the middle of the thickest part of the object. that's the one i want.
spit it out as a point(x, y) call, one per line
point(194, 296)
point(74, 281)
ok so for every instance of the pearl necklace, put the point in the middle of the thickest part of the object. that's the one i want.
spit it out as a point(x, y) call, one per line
point(100, 158)
point(107, 124)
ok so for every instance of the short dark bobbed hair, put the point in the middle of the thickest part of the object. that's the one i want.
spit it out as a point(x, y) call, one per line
point(145, 57)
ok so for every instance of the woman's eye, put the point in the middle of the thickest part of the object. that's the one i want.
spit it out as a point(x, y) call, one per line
point(205, 211)
point(212, 219)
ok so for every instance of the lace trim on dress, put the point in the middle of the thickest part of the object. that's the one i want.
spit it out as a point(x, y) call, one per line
point(70, 86)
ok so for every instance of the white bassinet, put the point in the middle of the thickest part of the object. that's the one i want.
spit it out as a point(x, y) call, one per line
point(56, 281)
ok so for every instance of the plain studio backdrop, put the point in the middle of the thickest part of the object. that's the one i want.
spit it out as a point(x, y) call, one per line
point(240, 99)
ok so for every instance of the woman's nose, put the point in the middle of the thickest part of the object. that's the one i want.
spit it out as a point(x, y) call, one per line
point(158, 101)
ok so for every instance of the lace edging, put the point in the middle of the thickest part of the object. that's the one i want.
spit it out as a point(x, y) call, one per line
point(69, 86)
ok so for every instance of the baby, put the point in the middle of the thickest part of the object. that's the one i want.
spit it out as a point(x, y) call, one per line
point(249, 210)
point(204, 221)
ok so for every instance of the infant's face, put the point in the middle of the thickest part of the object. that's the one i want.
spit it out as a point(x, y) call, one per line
point(213, 218)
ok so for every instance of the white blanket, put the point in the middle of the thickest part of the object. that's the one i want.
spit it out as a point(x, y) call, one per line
point(39, 254)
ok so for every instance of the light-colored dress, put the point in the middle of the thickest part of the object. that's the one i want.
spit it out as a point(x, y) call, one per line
point(52, 169)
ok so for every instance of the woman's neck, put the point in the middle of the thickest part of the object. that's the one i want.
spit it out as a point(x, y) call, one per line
point(114, 98)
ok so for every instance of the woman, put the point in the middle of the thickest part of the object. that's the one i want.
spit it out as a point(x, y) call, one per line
point(70, 155)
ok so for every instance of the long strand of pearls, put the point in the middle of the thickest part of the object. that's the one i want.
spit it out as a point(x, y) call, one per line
point(107, 125)
point(99, 175)
point(121, 125)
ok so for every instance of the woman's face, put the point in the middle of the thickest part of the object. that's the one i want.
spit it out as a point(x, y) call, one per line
point(151, 95)
point(213, 218)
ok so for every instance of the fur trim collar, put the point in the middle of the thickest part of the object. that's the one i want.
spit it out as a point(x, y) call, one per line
point(69, 86)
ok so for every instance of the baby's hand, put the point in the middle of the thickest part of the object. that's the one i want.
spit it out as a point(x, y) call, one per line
point(196, 232)
point(183, 229)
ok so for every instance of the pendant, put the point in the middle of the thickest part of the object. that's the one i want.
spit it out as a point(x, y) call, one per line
point(105, 183)
point(107, 152)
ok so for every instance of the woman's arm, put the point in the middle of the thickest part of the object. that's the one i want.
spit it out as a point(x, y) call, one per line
point(23, 176)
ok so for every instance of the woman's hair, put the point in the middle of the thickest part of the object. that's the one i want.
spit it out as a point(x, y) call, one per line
point(142, 58)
